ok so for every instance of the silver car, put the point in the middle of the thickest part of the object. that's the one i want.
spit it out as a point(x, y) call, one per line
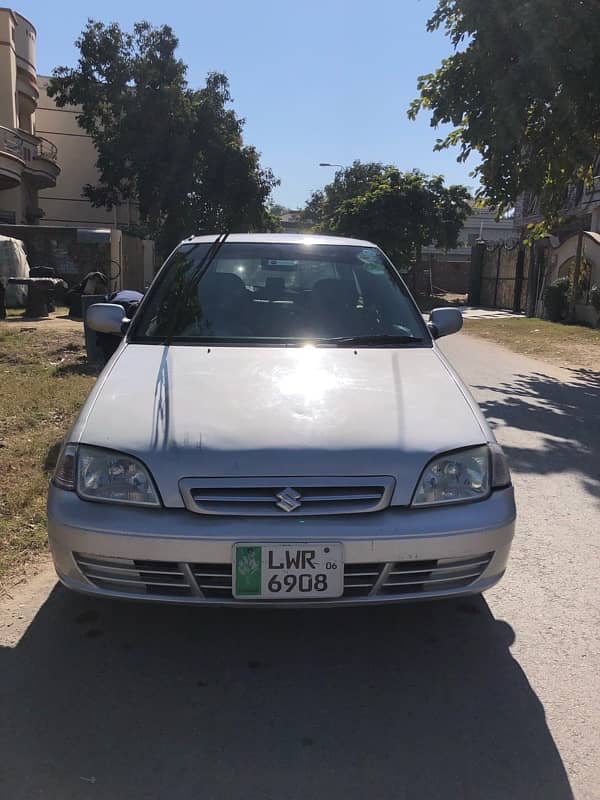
point(278, 427)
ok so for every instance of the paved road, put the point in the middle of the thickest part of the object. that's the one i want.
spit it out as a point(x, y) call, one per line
point(495, 698)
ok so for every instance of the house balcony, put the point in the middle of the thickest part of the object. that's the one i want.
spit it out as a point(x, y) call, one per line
point(11, 158)
point(41, 164)
point(24, 156)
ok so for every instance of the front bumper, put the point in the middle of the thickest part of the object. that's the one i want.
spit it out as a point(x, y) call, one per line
point(441, 552)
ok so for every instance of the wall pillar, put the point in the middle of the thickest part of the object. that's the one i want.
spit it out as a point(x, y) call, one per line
point(148, 251)
point(116, 258)
point(477, 256)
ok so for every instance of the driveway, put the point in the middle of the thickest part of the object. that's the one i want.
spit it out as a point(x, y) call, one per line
point(475, 312)
point(491, 698)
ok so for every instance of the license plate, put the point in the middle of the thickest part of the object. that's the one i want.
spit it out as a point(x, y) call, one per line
point(288, 571)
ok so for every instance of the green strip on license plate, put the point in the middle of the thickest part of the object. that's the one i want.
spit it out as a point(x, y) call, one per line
point(248, 570)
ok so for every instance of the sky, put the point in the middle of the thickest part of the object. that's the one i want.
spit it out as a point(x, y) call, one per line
point(315, 81)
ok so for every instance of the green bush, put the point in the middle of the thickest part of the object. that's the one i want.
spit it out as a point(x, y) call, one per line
point(595, 297)
point(556, 300)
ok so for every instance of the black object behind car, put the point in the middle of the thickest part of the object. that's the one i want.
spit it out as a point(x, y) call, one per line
point(130, 300)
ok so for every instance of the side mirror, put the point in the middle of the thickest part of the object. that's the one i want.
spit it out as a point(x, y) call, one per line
point(106, 318)
point(444, 321)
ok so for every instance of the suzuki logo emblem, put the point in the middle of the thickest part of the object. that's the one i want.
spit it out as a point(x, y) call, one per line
point(288, 499)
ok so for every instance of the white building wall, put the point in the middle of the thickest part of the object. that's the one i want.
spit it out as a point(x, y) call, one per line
point(65, 204)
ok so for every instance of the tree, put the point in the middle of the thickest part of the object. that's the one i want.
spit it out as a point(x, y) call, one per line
point(179, 152)
point(348, 182)
point(403, 212)
point(225, 187)
point(521, 90)
point(277, 210)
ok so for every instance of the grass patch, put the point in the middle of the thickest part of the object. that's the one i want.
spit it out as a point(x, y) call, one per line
point(566, 345)
point(44, 378)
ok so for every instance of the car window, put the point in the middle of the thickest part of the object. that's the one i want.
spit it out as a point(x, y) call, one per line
point(289, 292)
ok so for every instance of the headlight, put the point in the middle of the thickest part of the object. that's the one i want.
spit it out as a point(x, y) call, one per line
point(462, 476)
point(105, 475)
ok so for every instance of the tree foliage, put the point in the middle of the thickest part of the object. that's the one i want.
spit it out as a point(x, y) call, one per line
point(348, 183)
point(400, 211)
point(522, 90)
point(178, 151)
point(277, 210)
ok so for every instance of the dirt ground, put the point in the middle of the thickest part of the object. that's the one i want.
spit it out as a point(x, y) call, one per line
point(59, 321)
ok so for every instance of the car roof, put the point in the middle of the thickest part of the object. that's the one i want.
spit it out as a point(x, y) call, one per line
point(282, 238)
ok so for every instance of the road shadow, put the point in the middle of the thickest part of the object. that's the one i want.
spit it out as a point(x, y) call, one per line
point(566, 414)
point(113, 700)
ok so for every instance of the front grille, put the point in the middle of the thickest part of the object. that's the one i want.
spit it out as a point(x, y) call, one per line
point(359, 579)
point(286, 496)
point(410, 577)
point(214, 581)
point(135, 576)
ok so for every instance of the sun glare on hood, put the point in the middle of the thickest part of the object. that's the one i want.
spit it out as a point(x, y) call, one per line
point(309, 378)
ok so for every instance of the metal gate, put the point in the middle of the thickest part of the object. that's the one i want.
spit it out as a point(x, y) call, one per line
point(500, 276)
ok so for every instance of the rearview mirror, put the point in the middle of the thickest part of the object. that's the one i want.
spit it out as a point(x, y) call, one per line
point(106, 318)
point(444, 321)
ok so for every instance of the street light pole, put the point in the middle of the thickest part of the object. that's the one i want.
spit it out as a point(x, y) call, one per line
point(327, 164)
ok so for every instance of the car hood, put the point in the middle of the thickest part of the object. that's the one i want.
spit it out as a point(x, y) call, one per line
point(191, 411)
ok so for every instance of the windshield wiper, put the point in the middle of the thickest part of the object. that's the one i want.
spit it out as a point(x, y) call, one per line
point(194, 280)
point(374, 339)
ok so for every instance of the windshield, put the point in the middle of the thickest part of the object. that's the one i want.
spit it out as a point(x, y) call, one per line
point(290, 293)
